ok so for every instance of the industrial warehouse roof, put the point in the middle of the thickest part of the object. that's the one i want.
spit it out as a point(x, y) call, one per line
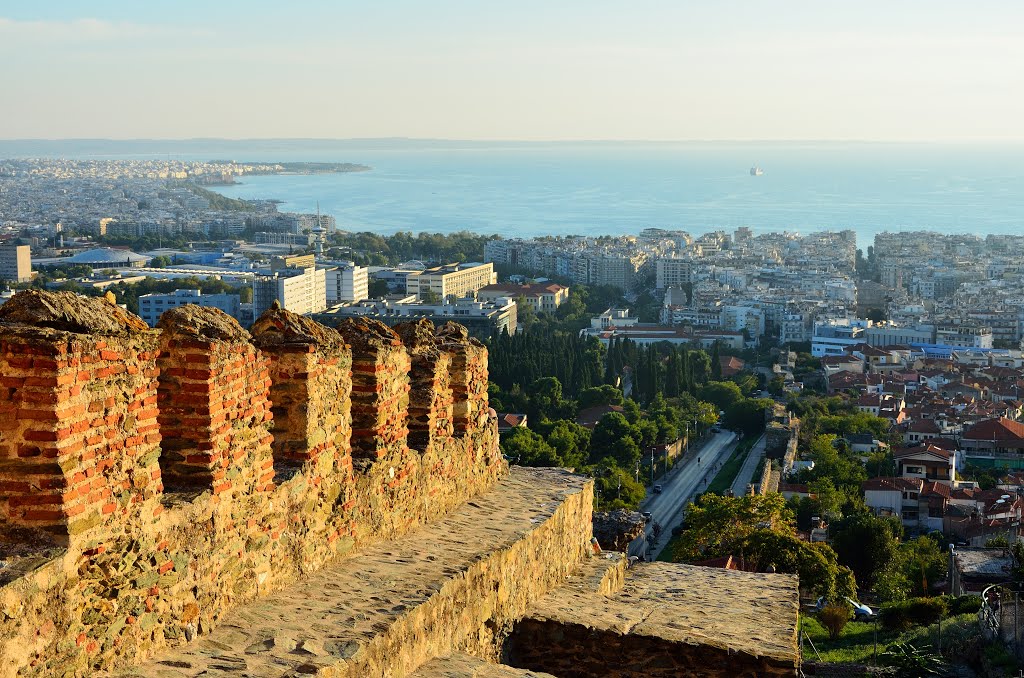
point(105, 256)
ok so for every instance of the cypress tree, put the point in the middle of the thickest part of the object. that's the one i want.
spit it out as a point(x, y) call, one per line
point(716, 363)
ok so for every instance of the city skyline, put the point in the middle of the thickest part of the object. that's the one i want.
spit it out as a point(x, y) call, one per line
point(575, 71)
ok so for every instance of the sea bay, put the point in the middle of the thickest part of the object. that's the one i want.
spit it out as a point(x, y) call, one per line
point(595, 189)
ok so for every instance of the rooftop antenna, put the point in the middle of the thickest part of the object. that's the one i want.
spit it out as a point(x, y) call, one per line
point(319, 232)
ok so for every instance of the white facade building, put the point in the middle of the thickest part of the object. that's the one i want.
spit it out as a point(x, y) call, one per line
point(834, 336)
point(347, 283)
point(152, 306)
point(301, 291)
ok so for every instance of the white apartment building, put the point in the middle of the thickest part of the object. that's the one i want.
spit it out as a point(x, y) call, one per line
point(964, 336)
point(834, 336)
point(347, 283)
point(794, 328)
point(739, 318)
point(16, 263)
point(451, 281)
point(152, 306)
point(302, 291)
point(672, 272)
point(481, 318)
point(882, 335)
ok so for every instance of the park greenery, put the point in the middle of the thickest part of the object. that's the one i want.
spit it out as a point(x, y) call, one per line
point(646, 396)
point(373, 249)
point(759, 531)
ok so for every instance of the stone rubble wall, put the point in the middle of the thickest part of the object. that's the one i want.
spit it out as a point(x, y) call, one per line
point(279, 451)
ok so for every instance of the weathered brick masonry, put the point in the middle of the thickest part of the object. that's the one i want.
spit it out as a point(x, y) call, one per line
point(279, 451)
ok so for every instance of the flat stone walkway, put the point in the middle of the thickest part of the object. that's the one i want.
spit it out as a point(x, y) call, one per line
point(464, 666)
point(738, 612)
point(746, 474)
point(388, 609)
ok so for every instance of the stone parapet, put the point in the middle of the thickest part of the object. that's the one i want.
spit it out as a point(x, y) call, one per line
point(311, 385)
point(214, 389)
point(79, 439)
point(431, 401)
point(468, 376)
point(153, 480)
point(380, 389)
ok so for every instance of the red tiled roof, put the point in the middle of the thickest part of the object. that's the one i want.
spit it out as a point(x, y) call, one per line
point(840, 360)
point(924, 426)
point(995, 429)
point(914, 451)
point(590, 416)
point(940, 489)
point(526, 290)
point(510, 420)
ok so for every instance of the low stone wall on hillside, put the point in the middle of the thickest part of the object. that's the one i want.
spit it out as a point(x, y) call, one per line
point(151, 480)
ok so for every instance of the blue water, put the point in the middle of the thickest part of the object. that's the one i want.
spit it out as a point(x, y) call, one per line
point(530, 189)
point(617, 189)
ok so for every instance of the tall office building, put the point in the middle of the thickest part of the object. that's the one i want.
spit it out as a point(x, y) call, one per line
point(301, 291)
point(451, 280)
point(16, 263)
point(347, 283)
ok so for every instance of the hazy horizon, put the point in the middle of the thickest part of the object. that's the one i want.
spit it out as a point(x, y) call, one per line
point(572, 71)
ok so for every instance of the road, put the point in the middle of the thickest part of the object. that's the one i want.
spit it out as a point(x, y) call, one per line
point(681, 484)
point(746, 474)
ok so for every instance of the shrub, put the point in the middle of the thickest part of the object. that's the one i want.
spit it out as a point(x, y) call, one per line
point(834, 617)
point(912, 661)
point(962, 604)
point(916, 611)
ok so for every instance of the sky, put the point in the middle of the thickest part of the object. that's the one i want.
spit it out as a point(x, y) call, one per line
point(912, 70)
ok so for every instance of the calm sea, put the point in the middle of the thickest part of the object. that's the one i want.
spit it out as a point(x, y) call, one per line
point(530, 189)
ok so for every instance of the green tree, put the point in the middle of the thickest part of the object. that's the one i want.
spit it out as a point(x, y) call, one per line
point(617, 487)
point(816, 564)
point(747, 415)
point(722, 394)
point(523, 447)
point(867, 544)
point(377, 289)
point(829, 499)
point(718, 525)
point(526, 316)
point(571, 443)
point(616, 438)
point(923, 564)
point(600, 395)
point(760, 531)
point(834, 618)
point(716, 362)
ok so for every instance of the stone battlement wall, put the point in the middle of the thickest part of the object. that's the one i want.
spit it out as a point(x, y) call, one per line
point(151, 480)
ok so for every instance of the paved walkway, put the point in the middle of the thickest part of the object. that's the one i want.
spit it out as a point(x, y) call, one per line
point(746, 474)
point(394, 604)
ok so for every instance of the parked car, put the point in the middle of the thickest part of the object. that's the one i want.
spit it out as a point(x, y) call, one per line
point(861, 612)
point(657, 489)
point(647, 516)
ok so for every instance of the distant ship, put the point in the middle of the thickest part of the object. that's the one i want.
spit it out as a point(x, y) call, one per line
point(756, 171)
